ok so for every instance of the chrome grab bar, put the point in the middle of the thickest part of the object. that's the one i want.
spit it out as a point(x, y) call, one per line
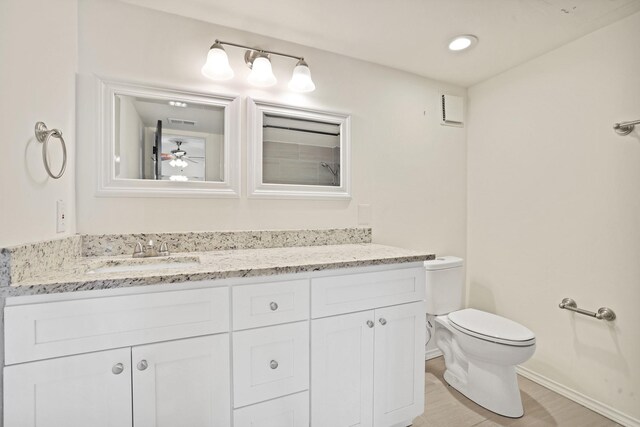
point(604, 313)
point(625, 128)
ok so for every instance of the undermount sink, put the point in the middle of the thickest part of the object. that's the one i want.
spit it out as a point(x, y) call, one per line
point(143, 264)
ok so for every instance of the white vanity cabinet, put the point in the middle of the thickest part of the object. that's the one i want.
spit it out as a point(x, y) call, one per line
point(271, 354)
point(398, 372)
point(183, 382)
point(245, 352)
point(367, 367)
point(75, 391)
point(342, 370)
point(73, 376)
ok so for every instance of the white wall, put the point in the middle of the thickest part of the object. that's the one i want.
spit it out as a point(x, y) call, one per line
point(128, 146)
point(554, 209)
point(38, 61)
point(408, 167)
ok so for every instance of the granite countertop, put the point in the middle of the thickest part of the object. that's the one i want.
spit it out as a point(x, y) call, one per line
point(84, 273)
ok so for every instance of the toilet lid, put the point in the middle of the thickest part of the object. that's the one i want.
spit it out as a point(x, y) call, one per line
point(491, 327)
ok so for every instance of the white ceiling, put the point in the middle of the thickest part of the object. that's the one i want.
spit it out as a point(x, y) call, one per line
point(208, 118)
point(412, 35)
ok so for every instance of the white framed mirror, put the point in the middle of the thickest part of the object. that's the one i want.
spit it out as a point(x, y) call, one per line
point(297, 152)
point(159, 142)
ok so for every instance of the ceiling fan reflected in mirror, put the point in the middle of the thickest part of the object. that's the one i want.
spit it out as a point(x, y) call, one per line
point(177, 157)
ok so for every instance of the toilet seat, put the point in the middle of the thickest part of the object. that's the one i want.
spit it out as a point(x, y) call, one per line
point(490, 327)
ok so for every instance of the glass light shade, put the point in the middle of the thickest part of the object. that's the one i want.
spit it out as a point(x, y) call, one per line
point(301, 78)
point(217, 66)
point(261, 73)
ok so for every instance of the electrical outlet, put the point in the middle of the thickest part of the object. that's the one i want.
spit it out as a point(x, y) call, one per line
point(61, 217)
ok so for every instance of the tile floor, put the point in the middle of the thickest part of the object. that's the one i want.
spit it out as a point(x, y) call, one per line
point(446, 407)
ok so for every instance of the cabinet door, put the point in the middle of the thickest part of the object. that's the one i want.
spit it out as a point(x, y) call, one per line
point(399, 364)
point(182, 383)
point(75, 391)
point(341, 370)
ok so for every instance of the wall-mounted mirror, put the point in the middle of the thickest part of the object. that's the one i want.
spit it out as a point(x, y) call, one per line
point(295, 152)
point(162, 142)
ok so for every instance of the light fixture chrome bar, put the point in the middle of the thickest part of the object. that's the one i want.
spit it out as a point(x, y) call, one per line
point(604, 313)
point(299, 58)
point(625, 128)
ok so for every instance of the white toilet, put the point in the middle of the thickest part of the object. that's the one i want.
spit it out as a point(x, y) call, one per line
point(480, 349)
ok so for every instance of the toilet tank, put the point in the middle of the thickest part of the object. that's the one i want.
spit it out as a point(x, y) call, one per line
point(444, 285)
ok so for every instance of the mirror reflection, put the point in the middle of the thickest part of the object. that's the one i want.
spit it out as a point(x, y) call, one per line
point(300, 151)
point(168, 139)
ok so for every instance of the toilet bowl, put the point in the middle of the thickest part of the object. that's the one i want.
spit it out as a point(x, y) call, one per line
point(483, 367)
point(481, 350)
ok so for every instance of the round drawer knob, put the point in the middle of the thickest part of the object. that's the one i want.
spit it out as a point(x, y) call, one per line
point(273, 364)
point(274, 306)
point(118, 368)
point(370, 323)
point(383, 321)
point(142, 365)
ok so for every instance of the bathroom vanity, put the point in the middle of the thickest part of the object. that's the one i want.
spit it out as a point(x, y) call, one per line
point(327, 335)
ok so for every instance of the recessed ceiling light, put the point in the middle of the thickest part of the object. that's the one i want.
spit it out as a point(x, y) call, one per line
point(463, 42)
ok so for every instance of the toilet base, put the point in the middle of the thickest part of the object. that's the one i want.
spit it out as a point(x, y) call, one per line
point(493, 387)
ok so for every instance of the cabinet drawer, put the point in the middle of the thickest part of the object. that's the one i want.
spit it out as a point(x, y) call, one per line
point(270, 304)
point(270, 362)
point(364, 291)
point(288, 411)
point(40, 331)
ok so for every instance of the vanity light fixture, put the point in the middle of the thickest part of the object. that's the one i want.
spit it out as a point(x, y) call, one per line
point(259, 60)
point(178, 104)
point(462, 42)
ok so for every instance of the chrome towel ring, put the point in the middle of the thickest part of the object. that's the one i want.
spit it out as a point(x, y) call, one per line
point(43, 135)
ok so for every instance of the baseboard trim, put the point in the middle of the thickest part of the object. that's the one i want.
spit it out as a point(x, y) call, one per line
point(586, 401)
point(432, 354)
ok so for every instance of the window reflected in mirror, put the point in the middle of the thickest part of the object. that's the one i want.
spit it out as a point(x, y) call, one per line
point(297, 151)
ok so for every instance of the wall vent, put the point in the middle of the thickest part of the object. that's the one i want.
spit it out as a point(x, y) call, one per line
point(452, 110)
point(185, 122)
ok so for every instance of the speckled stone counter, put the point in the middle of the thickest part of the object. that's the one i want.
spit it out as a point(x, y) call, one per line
point(344, 250)
point(30, 261)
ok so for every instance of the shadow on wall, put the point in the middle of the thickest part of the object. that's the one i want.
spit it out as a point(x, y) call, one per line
point(608, 354)
point(33, 162)
point(635, 134)
point(482, 297)
point(604, 352)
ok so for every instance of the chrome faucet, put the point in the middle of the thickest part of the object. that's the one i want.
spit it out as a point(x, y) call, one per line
point(149, 250)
